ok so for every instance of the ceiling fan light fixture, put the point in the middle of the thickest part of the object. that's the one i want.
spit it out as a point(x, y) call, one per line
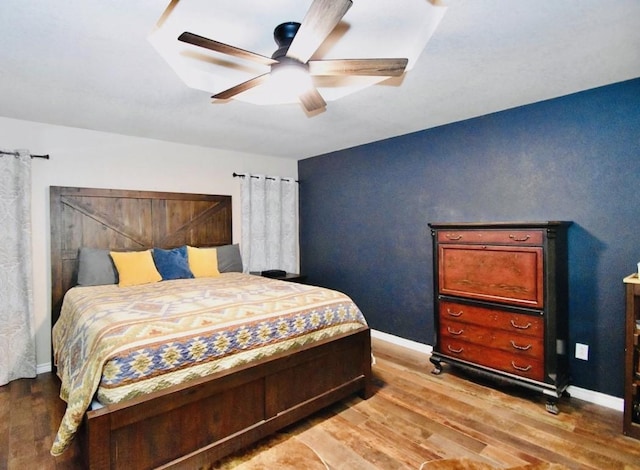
point(289, 79)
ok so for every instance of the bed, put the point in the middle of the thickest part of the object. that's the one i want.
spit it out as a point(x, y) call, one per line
point(219, 410)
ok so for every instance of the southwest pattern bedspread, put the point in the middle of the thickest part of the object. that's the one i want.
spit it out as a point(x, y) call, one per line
point(123, 342)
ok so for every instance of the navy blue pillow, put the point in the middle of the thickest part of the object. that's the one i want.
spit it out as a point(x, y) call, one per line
point(172, 264)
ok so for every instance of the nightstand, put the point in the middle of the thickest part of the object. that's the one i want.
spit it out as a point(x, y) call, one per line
point(292, 277)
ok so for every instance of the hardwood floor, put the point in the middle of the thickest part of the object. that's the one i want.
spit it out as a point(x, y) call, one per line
point(414, 417)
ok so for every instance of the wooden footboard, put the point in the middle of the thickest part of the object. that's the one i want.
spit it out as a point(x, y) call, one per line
point(193, 425)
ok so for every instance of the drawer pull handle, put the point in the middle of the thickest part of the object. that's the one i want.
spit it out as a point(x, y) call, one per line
point(454, 314)
point(520, 327)
point(521, 348)
point(521, 369)
point(456, 351)
point(454, 332)
point(522, 239)
point(453, 236)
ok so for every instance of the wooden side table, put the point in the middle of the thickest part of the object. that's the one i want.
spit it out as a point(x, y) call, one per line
point(631, 421)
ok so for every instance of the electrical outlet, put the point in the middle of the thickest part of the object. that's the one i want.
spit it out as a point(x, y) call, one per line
point(582, 351)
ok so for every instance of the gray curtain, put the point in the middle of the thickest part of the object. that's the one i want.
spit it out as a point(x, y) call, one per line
point(17, 339)
point(269, 223)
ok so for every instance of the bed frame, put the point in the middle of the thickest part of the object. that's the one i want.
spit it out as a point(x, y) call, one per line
point(195, 424)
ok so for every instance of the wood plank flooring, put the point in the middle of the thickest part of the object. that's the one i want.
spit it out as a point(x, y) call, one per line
point(414, 417)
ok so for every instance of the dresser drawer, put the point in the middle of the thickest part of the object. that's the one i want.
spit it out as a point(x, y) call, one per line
point(507, 341)
point(502, 237)
point(504, 274)
point(527, 325)
point(517, 364)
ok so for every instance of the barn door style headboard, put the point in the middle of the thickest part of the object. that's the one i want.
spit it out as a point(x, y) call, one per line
point(121, 220)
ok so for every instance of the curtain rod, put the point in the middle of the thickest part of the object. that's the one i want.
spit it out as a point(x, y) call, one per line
point(240, 175)
point(15, 154)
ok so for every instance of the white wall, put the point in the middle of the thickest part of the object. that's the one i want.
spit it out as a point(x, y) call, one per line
point(93, 159)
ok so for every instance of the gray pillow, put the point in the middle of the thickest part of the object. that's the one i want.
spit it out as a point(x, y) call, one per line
point(229, 259)
point(95, 267)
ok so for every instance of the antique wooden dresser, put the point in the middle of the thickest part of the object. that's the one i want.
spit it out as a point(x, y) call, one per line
point(500, 292)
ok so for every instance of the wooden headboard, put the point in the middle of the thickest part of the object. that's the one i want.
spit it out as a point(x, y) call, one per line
point(128, 220)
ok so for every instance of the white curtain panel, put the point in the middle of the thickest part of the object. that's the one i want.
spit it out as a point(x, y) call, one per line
point(269, 223)
point(17, 339)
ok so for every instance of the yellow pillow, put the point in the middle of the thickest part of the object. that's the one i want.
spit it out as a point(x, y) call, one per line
point(203, 262)
point(135, 267)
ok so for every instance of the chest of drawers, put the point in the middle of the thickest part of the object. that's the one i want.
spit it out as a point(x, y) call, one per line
point(500, 292)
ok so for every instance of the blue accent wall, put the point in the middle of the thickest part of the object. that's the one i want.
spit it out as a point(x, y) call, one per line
point(364, 212)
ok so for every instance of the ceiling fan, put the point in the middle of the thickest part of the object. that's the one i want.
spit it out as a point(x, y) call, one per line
point(296, 44)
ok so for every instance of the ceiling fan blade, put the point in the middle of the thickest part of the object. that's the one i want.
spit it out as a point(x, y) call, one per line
point(312, 100)
point(373, 67)
point(196, 40)
point(244, 86)
point(321, 18)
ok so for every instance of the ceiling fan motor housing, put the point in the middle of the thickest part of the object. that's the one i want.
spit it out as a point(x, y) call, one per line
point(283, 35)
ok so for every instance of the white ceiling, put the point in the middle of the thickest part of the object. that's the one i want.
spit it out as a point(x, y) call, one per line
point(88, 64)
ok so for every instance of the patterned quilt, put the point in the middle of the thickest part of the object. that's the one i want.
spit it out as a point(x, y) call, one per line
point(119, 342)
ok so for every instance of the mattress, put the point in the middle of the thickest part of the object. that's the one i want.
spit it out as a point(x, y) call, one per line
point(116, 343)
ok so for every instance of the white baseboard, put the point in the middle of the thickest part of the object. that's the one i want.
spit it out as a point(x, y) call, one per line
point(597, 398)
point(398, 341)
point(42, 368)
point(591, 396)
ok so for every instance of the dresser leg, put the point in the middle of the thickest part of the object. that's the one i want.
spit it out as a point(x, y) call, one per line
point(552, 406)
point(438, 365)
